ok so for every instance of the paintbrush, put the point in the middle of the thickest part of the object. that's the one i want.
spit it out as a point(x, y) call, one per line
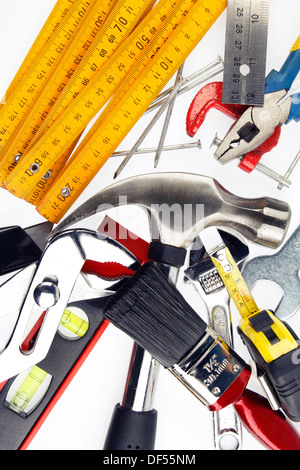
point(150, 309)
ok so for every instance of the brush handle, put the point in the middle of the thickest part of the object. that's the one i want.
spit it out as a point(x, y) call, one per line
point(131, 430)
point(270, 427)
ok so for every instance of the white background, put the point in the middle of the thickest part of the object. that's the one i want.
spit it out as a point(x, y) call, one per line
point(80, 419)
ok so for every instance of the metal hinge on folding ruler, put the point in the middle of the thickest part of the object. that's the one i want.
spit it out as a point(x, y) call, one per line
point(245, 52)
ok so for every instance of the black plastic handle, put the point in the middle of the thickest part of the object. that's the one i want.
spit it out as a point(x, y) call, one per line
point(284, 375)
point(131, 430)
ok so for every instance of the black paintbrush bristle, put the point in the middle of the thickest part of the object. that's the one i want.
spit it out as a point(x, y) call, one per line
point(150, 309)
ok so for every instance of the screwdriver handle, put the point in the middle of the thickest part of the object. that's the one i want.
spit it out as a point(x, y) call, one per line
point(283, 79)
point(131, 430)
point(133, 423)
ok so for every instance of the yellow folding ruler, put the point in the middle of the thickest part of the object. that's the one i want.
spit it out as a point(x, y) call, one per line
point(86, 57)
point(100, 89)
point(57, 14)
point(148, 76)
point(28, 88)
point(121, 62)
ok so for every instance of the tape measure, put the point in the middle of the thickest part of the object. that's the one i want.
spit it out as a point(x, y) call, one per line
point(266, 332)
point(234, 282)
point(107, 136)
point(23, 96)
point(61, 8)
point(245, 52)
point(90, 49)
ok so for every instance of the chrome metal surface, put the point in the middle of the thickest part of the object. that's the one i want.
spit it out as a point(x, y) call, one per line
point(205, 279)
point(61, 262)
point(181, 205)
point(141, 380)
point(283, 269)
point(210, 374)
point(261, 122)
point(245, 52)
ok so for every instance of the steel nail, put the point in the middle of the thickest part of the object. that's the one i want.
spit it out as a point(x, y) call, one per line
point(148, 128)
point(167, 120)
point(290, 169)
point(262, 168)
point(202, 75)
point(188, 145)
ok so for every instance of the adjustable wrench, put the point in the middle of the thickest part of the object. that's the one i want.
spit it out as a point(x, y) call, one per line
point(282, 268)
point(202, 275)
point(47, 286)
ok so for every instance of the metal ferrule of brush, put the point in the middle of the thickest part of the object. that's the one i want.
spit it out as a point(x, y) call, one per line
point(212, 371)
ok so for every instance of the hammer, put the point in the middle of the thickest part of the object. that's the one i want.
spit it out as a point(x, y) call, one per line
point(180, 205)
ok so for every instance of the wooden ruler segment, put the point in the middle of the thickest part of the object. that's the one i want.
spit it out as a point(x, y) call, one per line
point(125, 112)
point(78, 111)
point(57, 14)
point(28, 88)
point(85, 49)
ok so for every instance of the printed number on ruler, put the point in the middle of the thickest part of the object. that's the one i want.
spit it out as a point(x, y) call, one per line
point(58, 13)
point(117, 27)
point(80, 110)
point(22, 97)
point(126, 111)
point(236, 286)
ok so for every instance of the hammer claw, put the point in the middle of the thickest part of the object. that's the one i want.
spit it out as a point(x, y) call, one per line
point(181, 205)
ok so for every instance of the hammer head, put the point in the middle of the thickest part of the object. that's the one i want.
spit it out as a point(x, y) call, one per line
point(181, 205)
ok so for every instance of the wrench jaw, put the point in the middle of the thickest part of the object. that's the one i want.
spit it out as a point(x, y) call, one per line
point(282, 270)
point(52, 283)
point(205, 279)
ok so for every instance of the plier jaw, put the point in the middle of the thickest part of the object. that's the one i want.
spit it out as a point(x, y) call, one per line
point(44, 289)
point(254, 127)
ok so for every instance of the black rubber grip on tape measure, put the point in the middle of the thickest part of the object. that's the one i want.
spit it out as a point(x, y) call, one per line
point(284, 375)
point(131, 430)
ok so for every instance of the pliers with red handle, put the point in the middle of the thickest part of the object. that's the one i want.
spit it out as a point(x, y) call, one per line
point(257, 129)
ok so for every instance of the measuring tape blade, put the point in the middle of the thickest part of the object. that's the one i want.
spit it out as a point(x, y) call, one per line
point(91, 37)
point(245, 52)
point(158, 24)
point(32, 82)
point(82, 168)
point(57, 14)
point(234, 282)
